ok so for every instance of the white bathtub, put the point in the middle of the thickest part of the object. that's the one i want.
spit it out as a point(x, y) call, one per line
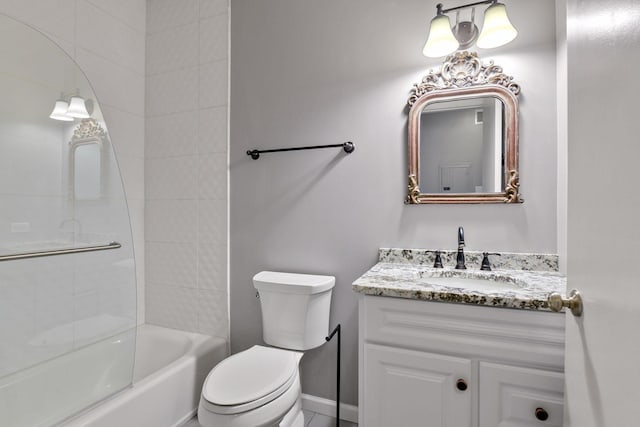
point(170, 367)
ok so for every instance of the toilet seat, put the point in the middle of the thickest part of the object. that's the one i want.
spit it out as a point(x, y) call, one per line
point(250, 379)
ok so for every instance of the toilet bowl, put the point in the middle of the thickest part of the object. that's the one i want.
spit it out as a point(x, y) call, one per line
point(257, 387)
point(261, 386)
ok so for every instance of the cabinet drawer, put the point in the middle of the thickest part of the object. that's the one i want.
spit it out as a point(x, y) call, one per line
point(412, 388)
point(527, 337)
point(513, 397)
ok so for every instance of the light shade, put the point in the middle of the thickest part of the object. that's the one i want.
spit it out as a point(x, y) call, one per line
point(77, 108)
point(441, 40)
point(497, 29)
point(60, 111)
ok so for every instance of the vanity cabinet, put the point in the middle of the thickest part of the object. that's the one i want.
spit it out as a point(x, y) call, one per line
point(515, 396)
point(408, 386)
point(438, 364)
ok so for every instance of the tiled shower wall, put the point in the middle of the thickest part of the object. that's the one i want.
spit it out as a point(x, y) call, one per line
point(186, 165)
point(107, 40)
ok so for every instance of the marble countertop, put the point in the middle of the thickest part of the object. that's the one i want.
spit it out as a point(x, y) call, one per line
point(524, 289)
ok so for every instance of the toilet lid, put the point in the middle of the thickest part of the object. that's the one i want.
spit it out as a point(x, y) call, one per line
point(250, 379)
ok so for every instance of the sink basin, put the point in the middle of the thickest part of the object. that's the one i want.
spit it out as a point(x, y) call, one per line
point(480, 284)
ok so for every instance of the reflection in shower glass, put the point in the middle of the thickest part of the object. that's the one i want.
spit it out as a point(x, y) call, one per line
point(87, 172)
point(67, 322)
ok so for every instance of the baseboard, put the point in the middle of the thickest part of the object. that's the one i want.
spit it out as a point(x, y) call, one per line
point(327, 407)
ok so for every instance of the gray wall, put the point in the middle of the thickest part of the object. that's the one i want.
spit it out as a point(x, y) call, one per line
point(308, 72)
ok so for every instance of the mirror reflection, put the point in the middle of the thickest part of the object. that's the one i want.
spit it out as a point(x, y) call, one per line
point(461, 146)
point(86, 171)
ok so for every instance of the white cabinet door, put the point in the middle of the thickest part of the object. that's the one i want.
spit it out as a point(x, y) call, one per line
point(512, 396)
point(411, 388)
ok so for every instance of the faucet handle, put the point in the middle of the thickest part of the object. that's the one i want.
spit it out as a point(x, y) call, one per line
point(486, 265)
point(437, 262)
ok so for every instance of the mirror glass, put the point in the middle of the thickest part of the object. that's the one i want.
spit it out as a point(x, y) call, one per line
point(463, 134)
point(461, 146)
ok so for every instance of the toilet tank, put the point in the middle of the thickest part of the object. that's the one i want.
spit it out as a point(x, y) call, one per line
point(295, 308)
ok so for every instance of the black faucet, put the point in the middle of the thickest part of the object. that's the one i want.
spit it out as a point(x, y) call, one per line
point(460, 257)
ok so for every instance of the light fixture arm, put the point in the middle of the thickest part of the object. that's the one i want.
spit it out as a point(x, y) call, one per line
point(442, 11)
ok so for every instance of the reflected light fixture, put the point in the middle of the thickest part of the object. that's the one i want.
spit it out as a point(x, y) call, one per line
point(77, 108)
point(60, 111)
point(69, 111)
point(443, 40)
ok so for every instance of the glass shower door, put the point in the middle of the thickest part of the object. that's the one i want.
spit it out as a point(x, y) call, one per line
point(68, 314)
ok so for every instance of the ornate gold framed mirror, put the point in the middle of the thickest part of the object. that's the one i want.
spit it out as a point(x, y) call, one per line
point(463, 134)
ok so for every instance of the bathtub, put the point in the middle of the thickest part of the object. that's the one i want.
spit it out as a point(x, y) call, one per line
point(169, 370)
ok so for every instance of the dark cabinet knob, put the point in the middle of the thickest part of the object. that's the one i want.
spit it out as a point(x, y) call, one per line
point(461, 385)
point(541, 414)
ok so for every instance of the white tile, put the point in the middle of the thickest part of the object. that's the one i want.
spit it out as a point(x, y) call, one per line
point(212, 176)
point(17, 313)
point(214, 84)
point(212, 266)
point(26, 165)
point(114, 85)
point(212, 221)
point(212, 130)
point(43, 214)
point(136, 218)
point(132, 171)
point(172, 178)
point(131, 12)
point(136, 215)
point(320, 420)
point(214, 38)
point(172, 49)
point(85, 305)
point(171, 220)
point(52, 314)
point(172, 92)
point(126, 131)
point(68, 47)
point(210, 8)
point(172, 306)
point(213, 318)
point(106, 36)
point(307, 416)
point(172, 135)
point(26, 71)
point(118, 299)
point(172, 263)
point(52, 16)
point(163, 14)
point(140, 296)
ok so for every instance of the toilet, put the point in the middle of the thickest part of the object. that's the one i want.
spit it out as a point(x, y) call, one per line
point(261, 386)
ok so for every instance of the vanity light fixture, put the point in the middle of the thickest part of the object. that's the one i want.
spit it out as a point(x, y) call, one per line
point(443, 40)
point(69, 111)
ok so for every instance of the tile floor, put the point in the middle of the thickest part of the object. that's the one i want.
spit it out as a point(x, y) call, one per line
point(311, 419)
